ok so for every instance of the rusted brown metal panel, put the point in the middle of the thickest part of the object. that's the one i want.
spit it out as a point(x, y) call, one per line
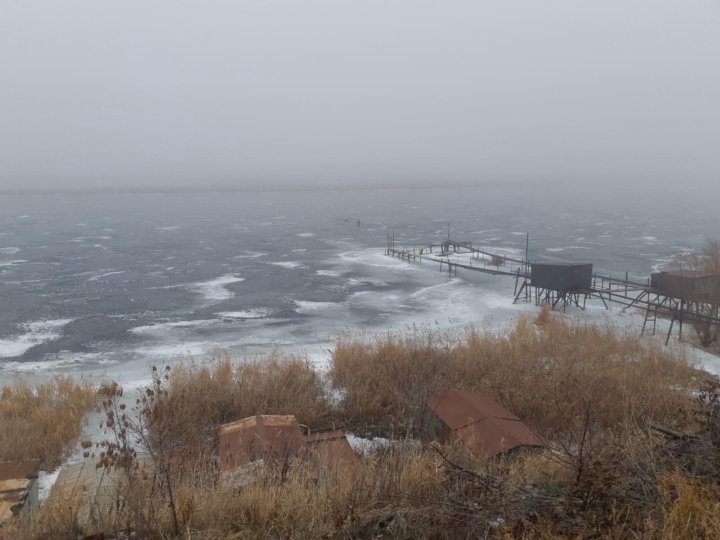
point(485, 426)
point(266, 437)
point(19, 469)
point(458, 408)
point(491, 436)
point(330, 447)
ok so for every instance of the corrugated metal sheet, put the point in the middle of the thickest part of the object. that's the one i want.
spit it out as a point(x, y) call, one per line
point(458, 408)
point(484, 425)
point(267, 437)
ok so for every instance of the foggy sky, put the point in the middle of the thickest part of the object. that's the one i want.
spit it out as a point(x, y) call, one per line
point(98, 94)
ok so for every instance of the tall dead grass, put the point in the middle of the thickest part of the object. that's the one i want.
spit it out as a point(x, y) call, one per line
point(592, 394)
point(405, 493)
point(690, 509)
point(200, 397)
point(549, 372)
point(43, 421)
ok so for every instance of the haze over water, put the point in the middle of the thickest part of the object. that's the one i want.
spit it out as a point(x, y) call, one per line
point(113, 283)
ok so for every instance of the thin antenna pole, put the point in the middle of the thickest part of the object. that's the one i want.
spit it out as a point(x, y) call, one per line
point(527, 252)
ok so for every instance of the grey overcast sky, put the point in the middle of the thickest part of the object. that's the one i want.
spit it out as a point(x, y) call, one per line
point(150, 94)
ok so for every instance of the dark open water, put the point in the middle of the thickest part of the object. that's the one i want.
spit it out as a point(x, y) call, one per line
point(116, 282)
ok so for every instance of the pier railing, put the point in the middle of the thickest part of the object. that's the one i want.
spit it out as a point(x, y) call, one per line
point(452, 255)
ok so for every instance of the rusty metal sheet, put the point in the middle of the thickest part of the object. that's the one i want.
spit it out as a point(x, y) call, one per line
point(265, 437)
point(19, 469)
point(485, 426)
point(458, 408)
point(493, 436)
point(330, 447)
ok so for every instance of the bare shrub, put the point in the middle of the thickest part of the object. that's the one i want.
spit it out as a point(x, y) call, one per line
point(43, 421)
point(707, 259)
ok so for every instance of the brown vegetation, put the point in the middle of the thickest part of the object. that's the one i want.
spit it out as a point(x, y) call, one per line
point(707, 259)
point(42, 421)
point(633, 437)
point(200, 397)
point(550, 373)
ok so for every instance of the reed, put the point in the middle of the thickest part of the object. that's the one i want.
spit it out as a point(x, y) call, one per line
point(43, 421)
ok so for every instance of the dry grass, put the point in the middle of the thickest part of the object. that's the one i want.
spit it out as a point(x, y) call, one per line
point(399, 494)
point(690, 509)
point(42, 421)
point(550, 373)
point(201, 397)
point(621, 479)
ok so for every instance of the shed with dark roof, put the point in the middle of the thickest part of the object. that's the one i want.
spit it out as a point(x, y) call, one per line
point(483, 425)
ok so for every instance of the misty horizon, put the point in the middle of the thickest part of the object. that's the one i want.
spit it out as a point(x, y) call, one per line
point(182, 96)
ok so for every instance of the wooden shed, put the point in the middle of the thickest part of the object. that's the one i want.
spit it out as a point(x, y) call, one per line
point(561, 276)
point(688, 285)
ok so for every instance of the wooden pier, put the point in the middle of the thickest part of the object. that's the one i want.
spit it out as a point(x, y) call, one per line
point(609, 290)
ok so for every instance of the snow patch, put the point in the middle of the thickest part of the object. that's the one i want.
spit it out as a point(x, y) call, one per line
point(34, 333)
point(216, 289)
point(258, 313)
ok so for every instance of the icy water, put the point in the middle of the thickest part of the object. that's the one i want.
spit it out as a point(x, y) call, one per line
point(111, 284)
